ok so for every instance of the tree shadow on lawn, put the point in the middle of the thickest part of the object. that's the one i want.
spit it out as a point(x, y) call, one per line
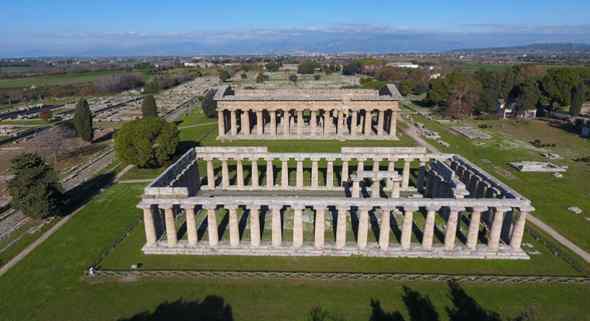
point(84, 192)
point(212, 308)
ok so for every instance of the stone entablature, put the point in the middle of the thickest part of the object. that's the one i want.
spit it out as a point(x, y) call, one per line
point(307, 114)
point(496, 214)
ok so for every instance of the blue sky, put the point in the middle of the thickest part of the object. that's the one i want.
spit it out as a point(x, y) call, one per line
point(65, 25)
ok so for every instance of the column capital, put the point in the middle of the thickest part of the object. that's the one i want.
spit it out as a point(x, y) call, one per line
point(432, 208)
point(275, 206)
point(527, 209)
point(479, 209)
point(503, 209)
point(297, 207)
point(210, 207)
point(410, 209)
point(456, 209)
point(187, 206)
point(166, 206)
point(231, 206)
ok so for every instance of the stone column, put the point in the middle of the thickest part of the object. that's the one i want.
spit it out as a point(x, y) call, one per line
point(363, 228)
point(368, 119)
point(344, 174)
point(210, 175)
point(234, 123)
point(212, 226)
point(254, 173)
point(220, 123)
point(356, 187)
point(341, 227)
point(171, 231)
point(191, 225)
point(299, 122)
point(473, 233)
point(234, 232)
point(313, 123)
point(360, 166)
point(406, 239)
point(243, 123)
point(494, 242)
point(299, 173)
point(246, 124)
point(421, 174)
point(330, 174)
point(384, 228)
point(255, 226)
point(277, 236)
point(285, 174)
point(269, 174)
point(148, 224)
point(319, 229)
point(286, 123)
point(380, 122)
point(240, 174)
point(451, 231)
point(298, 227)
point(406, 174)
point(224, 174)
point(314, 174)
point(429, 228)
point(391, 171)
point(353, 124)
point(273, 123)
point(393, 124)
point(396, 190)
point(518, 231)
point(259, 123)
point(339, 123)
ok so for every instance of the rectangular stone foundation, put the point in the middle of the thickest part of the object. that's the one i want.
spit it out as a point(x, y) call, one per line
point(266, 249)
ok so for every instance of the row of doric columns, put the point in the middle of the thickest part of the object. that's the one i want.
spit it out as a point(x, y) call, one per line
point(452, 215)
point(283, 181)
point(308, 123)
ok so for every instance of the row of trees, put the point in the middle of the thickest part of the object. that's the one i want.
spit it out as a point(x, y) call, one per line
point(524, 87)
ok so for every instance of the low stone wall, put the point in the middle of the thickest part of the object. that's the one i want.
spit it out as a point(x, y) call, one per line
point(334, 276)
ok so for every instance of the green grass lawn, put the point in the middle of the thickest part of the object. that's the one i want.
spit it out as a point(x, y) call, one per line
point(61, 79)
point(550, 196)
point(48, 284)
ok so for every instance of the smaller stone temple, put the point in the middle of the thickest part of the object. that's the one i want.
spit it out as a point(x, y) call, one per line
point(369, 201)
point(344, 114)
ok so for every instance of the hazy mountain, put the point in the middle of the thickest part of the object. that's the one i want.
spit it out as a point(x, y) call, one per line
point(539, 49)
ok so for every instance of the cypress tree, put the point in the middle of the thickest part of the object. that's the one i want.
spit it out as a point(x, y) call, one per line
point(35, 189)
point(83, 121)
point(578, 96)
point(149, 107)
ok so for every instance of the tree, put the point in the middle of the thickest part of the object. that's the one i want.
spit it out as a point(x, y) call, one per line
point(35, 189)
point(578, 97)
point(558, 84)
point(209, 105)
point(83, 121)
point(224, 75)
point(525, 96)
point(273, 66)
point(406, 87)
point(244, 75)
point(260, 78)
point(146, 142)
point(149, 107)
point(293, 78)
point(438, 93)
point(352, 68)
point(317, 77)
point(308, 67)
point(463, 94)
point(152, 87)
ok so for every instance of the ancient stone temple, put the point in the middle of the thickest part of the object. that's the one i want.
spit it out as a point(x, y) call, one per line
point(344, 114)
point(382, 202)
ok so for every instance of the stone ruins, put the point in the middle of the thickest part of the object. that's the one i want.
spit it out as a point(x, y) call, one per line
point(343, 114)
point(380, 202)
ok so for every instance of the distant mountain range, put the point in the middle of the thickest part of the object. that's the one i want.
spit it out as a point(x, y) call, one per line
point(532, 49)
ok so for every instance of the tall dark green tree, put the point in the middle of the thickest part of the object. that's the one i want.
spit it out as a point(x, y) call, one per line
point(149, 107)
point(83, 121)
point(152, 87)
point(35, 189)
point(526, 95)
point(578, 97)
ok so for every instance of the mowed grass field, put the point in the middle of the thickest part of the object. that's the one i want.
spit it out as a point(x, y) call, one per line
point(550, 196)
point(49, 285)
point(61, 79)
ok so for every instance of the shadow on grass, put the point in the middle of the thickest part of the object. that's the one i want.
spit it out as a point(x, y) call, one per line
point(84, 192)
point(212, 308)
point(419, 307)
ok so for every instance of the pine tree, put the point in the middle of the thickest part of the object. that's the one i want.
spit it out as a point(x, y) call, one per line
point(149, 107)
point(83, 121)
point(578, 97)
point(34, 189)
